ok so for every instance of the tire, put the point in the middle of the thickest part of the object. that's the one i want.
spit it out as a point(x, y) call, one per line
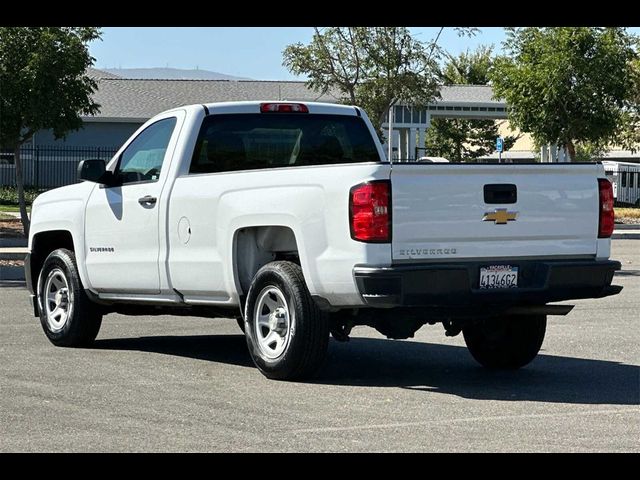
point(289, 340)
point(69, 318)
point(505, 342)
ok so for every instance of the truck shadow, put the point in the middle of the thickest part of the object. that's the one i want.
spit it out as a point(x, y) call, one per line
point(446, 369)
point(450, 369)
point(627, 273)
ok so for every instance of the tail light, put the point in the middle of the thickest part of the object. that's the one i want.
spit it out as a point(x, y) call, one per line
point(370, 211)
point(283, 108)
point(606, 223)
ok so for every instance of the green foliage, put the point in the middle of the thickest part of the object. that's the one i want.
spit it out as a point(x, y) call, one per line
point(628, 135)
point(566, 85)
point(9, 195)
point(44, 86)
point(461, 140)
point(373, 67)
point(469, 68)
point(589, 152)
point(465, 139)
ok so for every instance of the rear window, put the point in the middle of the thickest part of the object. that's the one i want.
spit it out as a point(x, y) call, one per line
point(272, 140)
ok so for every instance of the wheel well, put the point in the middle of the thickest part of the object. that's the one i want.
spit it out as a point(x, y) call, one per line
point(257, 246)
point(43, 244)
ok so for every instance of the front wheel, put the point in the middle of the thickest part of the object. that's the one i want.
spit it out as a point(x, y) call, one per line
point(287, 334)
point(505, 342)
point(68, 317)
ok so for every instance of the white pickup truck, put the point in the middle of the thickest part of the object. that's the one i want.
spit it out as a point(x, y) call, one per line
point(287, 217)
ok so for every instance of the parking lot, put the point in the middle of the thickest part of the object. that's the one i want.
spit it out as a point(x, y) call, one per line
point(187, 384)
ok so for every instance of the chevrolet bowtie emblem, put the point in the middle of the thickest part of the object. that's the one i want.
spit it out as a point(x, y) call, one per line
point(500, 216)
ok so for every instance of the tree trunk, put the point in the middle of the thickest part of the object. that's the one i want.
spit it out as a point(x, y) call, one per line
point(378, 126)
point(571, 150)
point(381, 116)
point(24, 217)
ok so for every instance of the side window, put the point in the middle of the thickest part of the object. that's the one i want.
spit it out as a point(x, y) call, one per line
point(624, 179)
point(142, 159)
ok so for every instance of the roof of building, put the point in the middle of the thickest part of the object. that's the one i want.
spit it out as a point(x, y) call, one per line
point(468, 94)
point(141, 99)
point(98, 74)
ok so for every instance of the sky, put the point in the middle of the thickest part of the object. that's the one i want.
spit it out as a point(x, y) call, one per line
point(251, 52)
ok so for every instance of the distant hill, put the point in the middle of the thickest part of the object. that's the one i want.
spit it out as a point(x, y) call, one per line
point(170, 74)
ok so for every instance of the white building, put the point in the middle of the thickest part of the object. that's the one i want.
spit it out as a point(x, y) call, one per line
point(409, 124)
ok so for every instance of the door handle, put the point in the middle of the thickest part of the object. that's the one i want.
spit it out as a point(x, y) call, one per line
point(147, 200)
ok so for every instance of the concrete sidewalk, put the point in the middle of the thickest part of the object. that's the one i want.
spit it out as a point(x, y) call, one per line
point(19, 251)
point(626, 232)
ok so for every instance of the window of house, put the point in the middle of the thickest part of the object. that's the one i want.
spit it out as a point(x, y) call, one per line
point(397, 114)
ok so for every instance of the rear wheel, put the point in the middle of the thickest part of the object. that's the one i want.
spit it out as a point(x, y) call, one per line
point(68, 317)
point(505, 342)
point(287, 334)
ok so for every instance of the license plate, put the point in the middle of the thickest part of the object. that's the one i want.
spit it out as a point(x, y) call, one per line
point(498, 276)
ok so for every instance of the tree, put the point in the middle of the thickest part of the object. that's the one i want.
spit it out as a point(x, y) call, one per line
point(566, 85)
point(469, 68)
point(628, 136)
point(457, 138)
point(374, 67)
point(43, 85)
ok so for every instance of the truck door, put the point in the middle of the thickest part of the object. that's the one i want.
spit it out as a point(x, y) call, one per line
point(122, 221)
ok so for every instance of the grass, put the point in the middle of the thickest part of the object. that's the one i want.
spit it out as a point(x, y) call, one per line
point(5, 217)
point(13, 208)
point(627, 212)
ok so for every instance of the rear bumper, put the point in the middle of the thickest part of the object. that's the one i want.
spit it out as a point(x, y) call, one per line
point(456, 284)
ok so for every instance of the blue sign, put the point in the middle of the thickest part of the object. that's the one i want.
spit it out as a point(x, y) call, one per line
point(499, 144)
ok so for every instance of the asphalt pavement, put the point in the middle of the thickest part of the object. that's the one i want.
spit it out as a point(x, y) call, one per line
point(187, 384)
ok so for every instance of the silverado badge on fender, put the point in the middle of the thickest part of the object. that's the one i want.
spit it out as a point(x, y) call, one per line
point(500, 216)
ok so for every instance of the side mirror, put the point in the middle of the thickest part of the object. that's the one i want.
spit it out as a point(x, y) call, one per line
point(94, 171)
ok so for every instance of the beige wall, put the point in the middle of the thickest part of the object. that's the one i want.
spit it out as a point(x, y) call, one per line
point(524, 143)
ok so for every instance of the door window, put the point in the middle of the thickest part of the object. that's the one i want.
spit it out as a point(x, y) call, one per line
point(142, 159)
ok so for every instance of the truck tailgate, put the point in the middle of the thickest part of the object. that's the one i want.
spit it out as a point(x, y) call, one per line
point(441, 211)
